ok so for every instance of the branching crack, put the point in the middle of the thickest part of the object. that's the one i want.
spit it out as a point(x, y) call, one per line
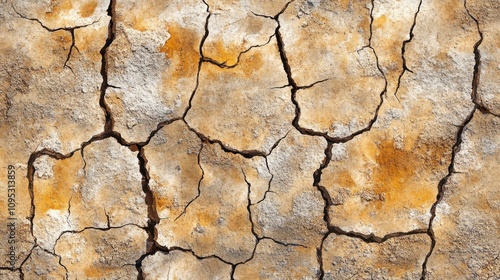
point(224, 64)
point(200, 62)
point(295, 87)
point(199, 185)
point(71, 31)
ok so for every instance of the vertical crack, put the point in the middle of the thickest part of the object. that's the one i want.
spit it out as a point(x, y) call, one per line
point(200, 62)
point(199, 184)
point(477, 58)
point(31, 176)
point(109, 124)
point(153, 218)
point(441, 188)
point(328, 202)
point(403, 49)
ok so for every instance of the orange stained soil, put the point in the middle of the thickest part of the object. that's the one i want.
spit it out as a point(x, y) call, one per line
point(400, 175)
point(58, 7)
point(88, 9)
point(182, 50)
point(56, 192)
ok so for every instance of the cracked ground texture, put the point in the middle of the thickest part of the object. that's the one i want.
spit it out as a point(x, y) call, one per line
point(251, 139)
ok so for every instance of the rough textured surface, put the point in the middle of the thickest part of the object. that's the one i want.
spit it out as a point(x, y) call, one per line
point(468, 216)
point(249, 139)
point(385, 180)
point(96, 253)
point(183, 265)
point(351, 258)
point(88, 191)
point(275, 261)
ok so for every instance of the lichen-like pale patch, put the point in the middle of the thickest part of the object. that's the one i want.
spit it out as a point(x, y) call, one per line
point(292, 211)
point(276, 261)
point(42, 264)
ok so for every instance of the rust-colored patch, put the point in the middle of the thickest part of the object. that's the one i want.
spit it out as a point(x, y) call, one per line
point(222, 53)
point(206, 217)
point(97, 271)
point(56, 192)
point(251, 63)
point(398, 176)
point(162, 202)
point(137, 22)
point(88, 9)
point(58, 7)
point(345, 4)
point(379, 22)
point(182, 50)
point(238, 222)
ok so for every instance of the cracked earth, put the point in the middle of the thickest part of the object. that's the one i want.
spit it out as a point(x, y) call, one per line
point(251, 139)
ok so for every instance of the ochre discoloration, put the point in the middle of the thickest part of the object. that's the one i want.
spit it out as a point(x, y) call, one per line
point(396, 175)
point(55, 193)
point(182, 50)
point(88, 9)
point(97, 271)
point(58, 8)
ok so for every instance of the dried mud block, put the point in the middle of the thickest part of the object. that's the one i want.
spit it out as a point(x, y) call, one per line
point(153, 63)
point(245, 107)
point(396, 258)
point(292, 209)
point(386, 180)
point(216, 221)
point(275, 261)
point(102, 253)
point(103, 187)
point(347, 99)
